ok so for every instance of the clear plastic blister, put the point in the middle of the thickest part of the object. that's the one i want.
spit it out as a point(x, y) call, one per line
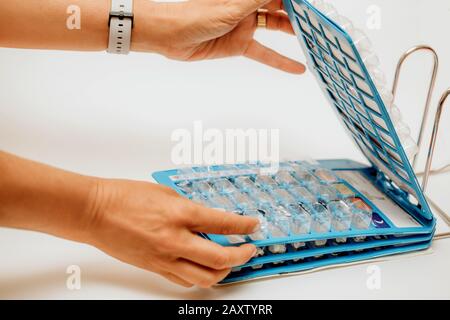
point(310, 215)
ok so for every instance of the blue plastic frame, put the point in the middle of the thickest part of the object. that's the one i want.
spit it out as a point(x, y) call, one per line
point(268, 271)
point(381, 146)
point(394, 240)
point(375, 159)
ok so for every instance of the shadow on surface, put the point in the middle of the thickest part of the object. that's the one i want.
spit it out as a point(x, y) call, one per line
point(107, 281)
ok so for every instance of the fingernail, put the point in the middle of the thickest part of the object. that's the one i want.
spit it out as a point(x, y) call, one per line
point(304, 69)
point(256, 228)
point(255, 252)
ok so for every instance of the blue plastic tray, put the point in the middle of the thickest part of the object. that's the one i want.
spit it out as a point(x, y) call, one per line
point(345, 81)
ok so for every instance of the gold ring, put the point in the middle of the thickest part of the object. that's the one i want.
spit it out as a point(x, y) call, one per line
point(261, 19)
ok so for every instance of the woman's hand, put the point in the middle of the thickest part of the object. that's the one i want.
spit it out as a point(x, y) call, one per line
point(144, 224)
point(189, 30)
point(152, 227)
point(208, 29)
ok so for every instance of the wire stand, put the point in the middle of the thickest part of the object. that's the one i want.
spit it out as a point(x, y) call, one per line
point(437, 120)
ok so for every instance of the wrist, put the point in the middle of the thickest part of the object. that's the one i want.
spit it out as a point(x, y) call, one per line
point(155, 25)
point(93, 214)
point(78, 214)
point(38, 197)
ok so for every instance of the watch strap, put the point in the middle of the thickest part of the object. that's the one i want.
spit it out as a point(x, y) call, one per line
point(120, 26)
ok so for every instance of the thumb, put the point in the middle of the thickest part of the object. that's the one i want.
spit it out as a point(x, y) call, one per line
point(246, 7)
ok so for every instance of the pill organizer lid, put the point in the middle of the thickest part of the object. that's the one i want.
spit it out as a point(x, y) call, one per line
point(337, 64)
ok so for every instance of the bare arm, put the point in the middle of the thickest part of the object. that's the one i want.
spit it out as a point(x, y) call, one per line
point(37, 197)
point(147, 225)
point(140, 223)
point(43, 24)
point(191, 30)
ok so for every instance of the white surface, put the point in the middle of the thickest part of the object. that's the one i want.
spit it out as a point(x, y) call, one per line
point(57, 107)
point(34, 266)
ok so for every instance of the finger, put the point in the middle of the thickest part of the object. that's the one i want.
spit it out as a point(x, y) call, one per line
point(260, 53)
point(198, 275)
point(279, 22)
point(213, 221)
point(213, 255)
point(177, 280)
point(246, 7)
point(274, 5)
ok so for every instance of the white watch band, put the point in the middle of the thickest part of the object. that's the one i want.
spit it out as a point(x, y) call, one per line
point(120, 26)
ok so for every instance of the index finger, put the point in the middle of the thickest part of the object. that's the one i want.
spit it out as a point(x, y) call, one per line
point(202, 219)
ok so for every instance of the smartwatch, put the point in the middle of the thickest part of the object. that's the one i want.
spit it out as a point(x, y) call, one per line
point(121, 22)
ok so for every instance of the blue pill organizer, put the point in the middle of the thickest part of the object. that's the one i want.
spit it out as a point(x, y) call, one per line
point(330, 212)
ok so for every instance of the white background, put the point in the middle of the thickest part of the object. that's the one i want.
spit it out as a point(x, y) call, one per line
point(113, 116)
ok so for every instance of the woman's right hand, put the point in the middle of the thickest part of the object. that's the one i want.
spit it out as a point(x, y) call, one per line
point(210, 29)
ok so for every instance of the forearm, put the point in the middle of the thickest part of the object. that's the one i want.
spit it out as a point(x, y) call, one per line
point(37, 197)
point(43, 24)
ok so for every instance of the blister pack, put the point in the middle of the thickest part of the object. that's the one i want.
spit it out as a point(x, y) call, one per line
point(316, 214)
